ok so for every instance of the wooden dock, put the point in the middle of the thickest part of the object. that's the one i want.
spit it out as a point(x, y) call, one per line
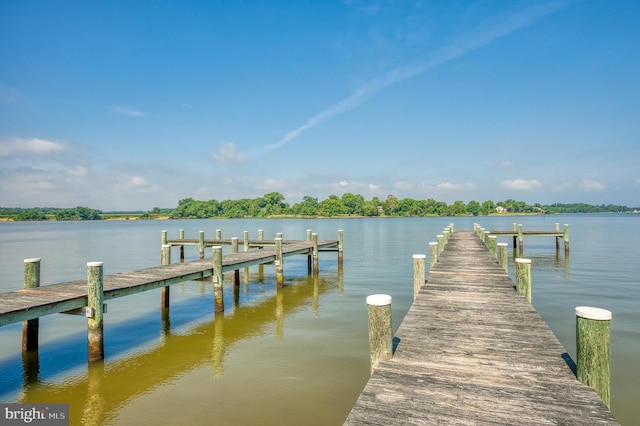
point(26, 304)
point(471, 350)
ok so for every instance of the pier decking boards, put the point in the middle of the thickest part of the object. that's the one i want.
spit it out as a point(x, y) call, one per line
point(471, 350)
point(33, 303)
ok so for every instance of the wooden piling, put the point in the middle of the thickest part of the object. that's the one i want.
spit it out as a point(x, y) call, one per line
point(593, 344)
point(182, 246)
point(278, 263)
point(261, 266)
point(433, 253)
point(340, 239)
point(164, 238)
point(566, 238)
point(94, 311)
point(218, 278)
point(493, 245)
point(520, 239)
point(523, 277)
point(309, 256)
point(166, 260)
point(201, 244)
point(502, 256)
point(314, 240)
point(418, 273)
point(440, 244)
point(380, 328)
point(30, 328)
point(218, 234)
point(236, 272)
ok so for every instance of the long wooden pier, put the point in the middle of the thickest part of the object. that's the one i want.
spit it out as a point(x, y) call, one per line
point(471, 350)
point(29, 304)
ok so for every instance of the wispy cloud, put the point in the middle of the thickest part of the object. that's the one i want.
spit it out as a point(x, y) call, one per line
point(9, 95)
point(227, 154)
point(126, 111)
point(590, 185)
point(13, 146)
point(483, 35)
point(521, 184)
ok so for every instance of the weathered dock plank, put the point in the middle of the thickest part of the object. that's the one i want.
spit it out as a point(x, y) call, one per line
point(472, 351)
point(28, 304)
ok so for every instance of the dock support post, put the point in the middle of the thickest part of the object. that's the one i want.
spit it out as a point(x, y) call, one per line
point(520, 239)
point(218, 234)
point(309, 256)
point(502, 256)
point(515, 229)
point(314, 240)
point(440, 244)
point(182, 246)
point(593, 344)
point(94, 312)
point(218, 278)
point(236, 272)
point(557, 239)
point(278, 263)
point(164, 238)
point(566, 238)
point(245, 248)
point(419, 261)
point(493, 245)
point(261, 266)
point(166, 260)
point(340, 239)
point(523, 277)
point(380, 328)
point(433, 253)
point(201, 244)
point(31, 327)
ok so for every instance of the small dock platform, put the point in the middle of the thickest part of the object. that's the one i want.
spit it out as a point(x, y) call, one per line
point(31, 303)
point(471, 350)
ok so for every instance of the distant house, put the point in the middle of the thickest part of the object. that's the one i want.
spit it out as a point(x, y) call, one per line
point(501, 209)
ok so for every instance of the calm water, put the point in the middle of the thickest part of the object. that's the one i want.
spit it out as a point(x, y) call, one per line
point(297, 356)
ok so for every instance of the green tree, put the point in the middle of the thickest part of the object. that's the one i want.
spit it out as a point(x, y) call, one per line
point(332, 206)
point(473, 208)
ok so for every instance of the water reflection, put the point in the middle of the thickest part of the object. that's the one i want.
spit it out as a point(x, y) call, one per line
point(95, 395)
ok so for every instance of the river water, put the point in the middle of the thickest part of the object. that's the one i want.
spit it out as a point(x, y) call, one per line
point(295, 356)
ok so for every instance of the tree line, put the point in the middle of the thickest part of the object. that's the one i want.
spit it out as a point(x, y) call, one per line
point(273, 204)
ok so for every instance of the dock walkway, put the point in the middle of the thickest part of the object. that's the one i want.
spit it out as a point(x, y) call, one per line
point(471, 350)
point(26, 304)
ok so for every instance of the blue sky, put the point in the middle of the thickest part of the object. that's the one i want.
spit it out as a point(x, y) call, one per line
point(130, 105)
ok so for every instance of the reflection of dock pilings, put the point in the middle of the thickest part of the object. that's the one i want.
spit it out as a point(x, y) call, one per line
point(178, 353)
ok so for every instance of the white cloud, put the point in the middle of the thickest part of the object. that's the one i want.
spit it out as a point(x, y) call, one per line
point(272, 184)
point(35, 146)
point(343, 183)
point(227, 154)
point(589, 185)
point(373, 187)
point(126, 111)
point(136, 182)
point(521, 184)
point(506, 164)
point(449, 186)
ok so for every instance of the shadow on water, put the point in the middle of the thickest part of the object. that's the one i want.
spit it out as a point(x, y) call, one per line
point(570, 363)
point(145, 352)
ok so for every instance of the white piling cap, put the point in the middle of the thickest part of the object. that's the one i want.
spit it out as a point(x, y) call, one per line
point(503, 244)
point(379, 300)
point(32, 260)
point(593, 313)
point(419, 256)
point(95, 263)
point(522, 260)
point(433, 243)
